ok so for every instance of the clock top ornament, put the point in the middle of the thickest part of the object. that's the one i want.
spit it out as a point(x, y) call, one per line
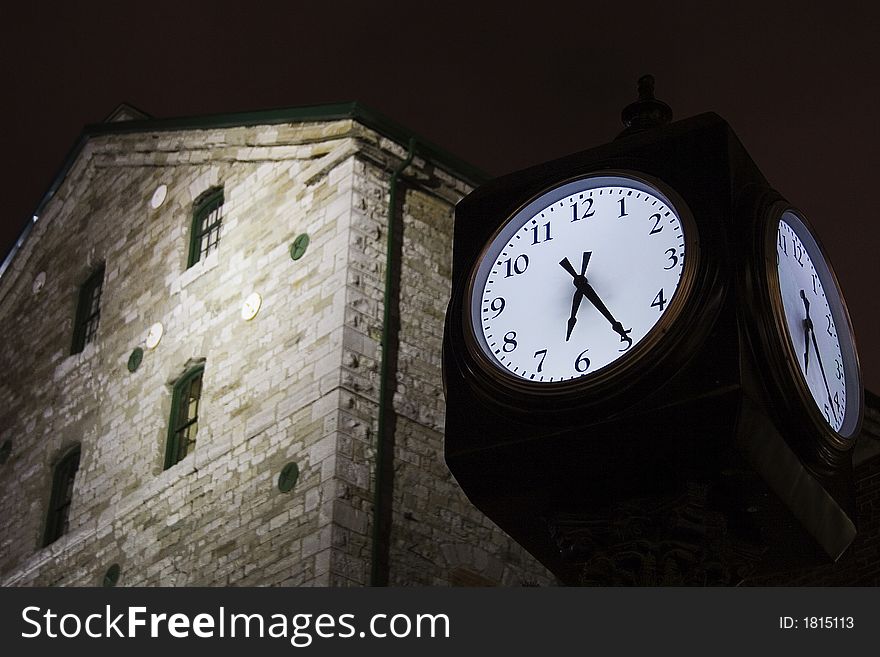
point(620, 332)
point(647, 112)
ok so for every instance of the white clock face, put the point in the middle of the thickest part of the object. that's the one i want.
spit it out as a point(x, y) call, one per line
point(576, 279)
point(817, 324)
point(154, 335)
point(251, 306)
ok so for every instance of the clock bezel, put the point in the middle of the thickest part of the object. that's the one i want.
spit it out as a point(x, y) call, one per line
point(780, 349)
point(642, 358)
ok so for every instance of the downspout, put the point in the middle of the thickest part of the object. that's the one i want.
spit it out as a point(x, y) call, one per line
point(384, 459)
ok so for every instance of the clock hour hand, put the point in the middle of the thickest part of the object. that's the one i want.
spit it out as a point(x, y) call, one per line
point(578, 296)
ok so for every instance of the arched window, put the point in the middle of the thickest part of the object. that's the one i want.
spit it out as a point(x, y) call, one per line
point(88, 310)
point(57, 520)
point(184, 421)
point(207, 218)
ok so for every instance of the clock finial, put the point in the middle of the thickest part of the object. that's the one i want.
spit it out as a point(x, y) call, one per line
point(647, 112)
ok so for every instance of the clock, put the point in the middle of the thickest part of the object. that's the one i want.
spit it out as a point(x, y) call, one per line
point(580, 281)
point(159, 196)
point(622, 348)
point(251, 306)
point(39, 282)
point(814, 336)
point(154, 335)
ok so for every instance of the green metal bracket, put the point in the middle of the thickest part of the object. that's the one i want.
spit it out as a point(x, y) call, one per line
point(134, 361)
point(299, 246)
point(287, 478)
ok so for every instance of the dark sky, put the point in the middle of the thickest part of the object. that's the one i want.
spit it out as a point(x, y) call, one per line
point(500, 86)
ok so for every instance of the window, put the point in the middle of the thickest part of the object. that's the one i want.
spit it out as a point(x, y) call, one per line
point(88, 311)
point(57, 521)
point(184, 416)
point(207, 217)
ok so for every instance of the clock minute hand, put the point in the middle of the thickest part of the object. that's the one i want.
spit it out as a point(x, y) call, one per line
point(822, 370)
point(590, 293)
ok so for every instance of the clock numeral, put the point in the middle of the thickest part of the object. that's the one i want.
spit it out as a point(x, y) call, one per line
point(657, 227)
point(509, 342)
point(497, 305)
point(827, 416)
point(828, 328)
point(798, 251)
point(783, 243)
point(672, 258)
point(582, 363)
point(839, 369)
point(536, 239)
point(517, 266)
point(622, 207)
point(588, 212)
point(837, 402)
point(659, 301)
point(541, 362)
point(815, 291)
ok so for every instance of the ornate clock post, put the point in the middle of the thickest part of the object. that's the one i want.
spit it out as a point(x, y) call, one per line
point(650, 371)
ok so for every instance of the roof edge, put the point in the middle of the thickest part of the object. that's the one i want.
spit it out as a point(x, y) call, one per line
point(328, 112)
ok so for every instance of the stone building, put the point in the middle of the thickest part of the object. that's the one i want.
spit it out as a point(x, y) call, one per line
point(192, 366)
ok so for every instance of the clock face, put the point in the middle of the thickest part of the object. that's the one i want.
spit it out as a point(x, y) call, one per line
point(817, 325)
point(579, 277)
point(154, 335)
point(251, 306)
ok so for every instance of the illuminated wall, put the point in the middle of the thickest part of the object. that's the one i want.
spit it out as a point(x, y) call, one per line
point(297, 383)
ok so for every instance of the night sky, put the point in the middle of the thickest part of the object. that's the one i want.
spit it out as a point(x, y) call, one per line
point(500, 87)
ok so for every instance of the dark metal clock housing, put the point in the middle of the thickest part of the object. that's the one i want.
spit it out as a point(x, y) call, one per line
point(700, 406)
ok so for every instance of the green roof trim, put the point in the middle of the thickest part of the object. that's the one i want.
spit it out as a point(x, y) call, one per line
point(311, 113)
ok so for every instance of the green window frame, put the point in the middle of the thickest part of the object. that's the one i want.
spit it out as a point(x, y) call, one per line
point(206, 225)
point(58, 517)
point(184, 422)
point(88, 311)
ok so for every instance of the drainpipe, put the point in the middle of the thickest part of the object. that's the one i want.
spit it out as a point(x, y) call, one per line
point(384, 446)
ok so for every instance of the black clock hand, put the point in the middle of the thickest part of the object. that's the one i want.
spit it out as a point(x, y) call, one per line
point(572, 320)
point(578, 295)
point(584, 286)
point(808, 327)
point(822, 369)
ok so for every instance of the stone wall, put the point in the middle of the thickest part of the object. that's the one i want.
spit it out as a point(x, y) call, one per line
point(299, 382)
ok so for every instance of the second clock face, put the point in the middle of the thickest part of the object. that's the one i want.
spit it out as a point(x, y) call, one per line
point(576, 279)
point(817, 325)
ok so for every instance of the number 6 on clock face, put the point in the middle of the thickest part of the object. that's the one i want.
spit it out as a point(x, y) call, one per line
point(579, 277)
